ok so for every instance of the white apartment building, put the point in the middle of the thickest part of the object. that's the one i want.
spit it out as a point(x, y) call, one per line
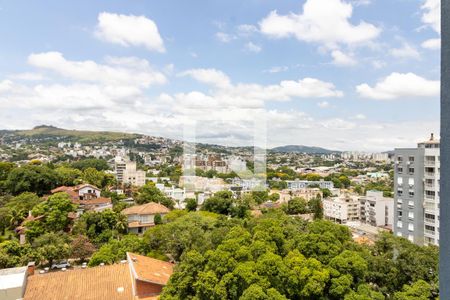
point(127, 173)
point(376, 210)
point(341, 209)
point(416, 187)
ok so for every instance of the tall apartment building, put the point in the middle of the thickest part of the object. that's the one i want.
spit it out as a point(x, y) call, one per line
point(416, 190)
point(376, 210)
point(127, 173)
point(341, 209)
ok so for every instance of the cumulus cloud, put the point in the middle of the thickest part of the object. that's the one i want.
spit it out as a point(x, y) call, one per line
point(129, 30)
point(432, 44)
point(209, 76)
point(399, 85)
point(118, 71)
point(431, 15)
point(342, 59)
point(406, 51)
point(251, 47)
point(322, 21)
point(284, 91)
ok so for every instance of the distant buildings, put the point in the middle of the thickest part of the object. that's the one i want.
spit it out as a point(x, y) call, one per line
point(248, 184)
point(127, 173)
point(341, 209)
point(307, 194)
point(376, 210)
point(302, 184)
point(142, 217)
point(416, 190)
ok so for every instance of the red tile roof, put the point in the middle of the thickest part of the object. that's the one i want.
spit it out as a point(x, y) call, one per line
point(150, 269)
point(151, 208)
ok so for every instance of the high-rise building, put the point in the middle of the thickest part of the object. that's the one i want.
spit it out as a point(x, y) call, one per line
point(127, 173)
point(416, 190)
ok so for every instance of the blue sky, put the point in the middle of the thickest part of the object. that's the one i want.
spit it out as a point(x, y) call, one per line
point(348, 75)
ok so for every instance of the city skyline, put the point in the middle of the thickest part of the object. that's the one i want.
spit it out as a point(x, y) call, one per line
point(348, 75)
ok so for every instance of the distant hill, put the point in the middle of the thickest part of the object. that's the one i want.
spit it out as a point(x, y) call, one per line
point(302, 149)
point(48, 132)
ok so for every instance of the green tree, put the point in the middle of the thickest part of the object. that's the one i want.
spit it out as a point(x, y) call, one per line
point(220, 203)
point(115, 250)
point(419, 290)
point(98, 164)
point(53, 215)
point(68, 176)
point(31, 178)
point(191, 204)
point(52, 246)
point(81, 248)
point(94, 177)
point(297, 206)
point(150, 193)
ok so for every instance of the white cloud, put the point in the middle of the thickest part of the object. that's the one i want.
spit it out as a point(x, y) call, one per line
point(276, 69)
point(406, 51)
point(360, 117)
point(246, 29)
point(251, 95)
point(400, 85)
point(322, 21)
point(323, 104)
point(118, 71)
point(209, 76)
point(28, 76)
point(5, 85)
point(342, 59)
point(432, 44)
point(378, 64)
point(129, 30)
point(252, 47)
point(432, 14)
point(225, 37)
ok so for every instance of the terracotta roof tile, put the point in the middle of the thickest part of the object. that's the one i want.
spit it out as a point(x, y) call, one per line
point(146, 209)
point(150, 269)
point(96, 283)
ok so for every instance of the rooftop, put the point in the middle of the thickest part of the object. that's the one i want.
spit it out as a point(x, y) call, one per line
point(107, 282)
point(146, 209)
point(12, 277)
point(150, 269)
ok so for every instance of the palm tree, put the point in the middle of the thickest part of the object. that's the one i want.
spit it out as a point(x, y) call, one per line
point(121, 223)
point(15, 217)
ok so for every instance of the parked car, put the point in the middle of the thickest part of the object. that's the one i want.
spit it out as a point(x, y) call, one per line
point(61, 264)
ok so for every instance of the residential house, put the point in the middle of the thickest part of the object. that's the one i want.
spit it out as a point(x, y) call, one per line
point(87, 196)
point(137, 278)
point(141, 217)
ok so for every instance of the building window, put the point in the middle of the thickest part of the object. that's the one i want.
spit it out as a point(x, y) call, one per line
point(411, 215)
point(411, 159)
point(400, 158)
point(399, 169)
point(411, 194)
point(399, 192)
point(411, 171)
point(411, 227)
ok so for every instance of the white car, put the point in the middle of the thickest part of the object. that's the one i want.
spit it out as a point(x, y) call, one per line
point(61, 264)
